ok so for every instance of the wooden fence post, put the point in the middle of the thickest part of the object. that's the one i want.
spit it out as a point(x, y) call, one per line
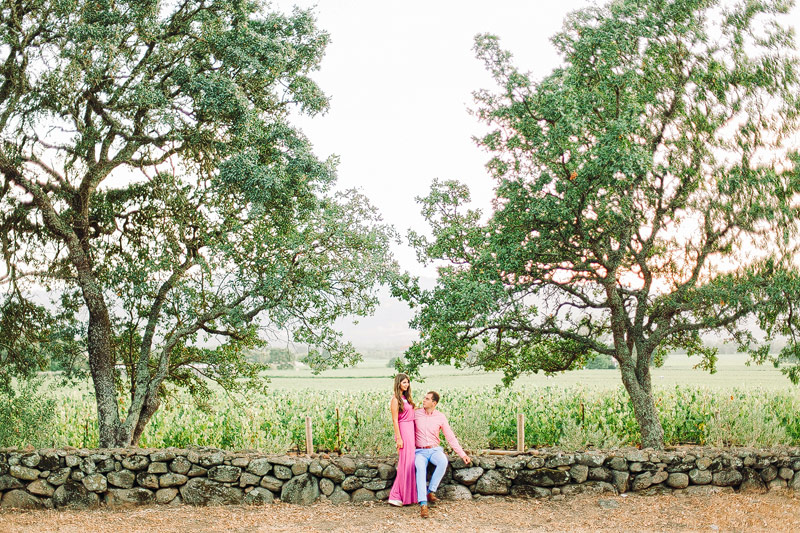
point(338, 433)
point(309, 439)
point(521, 432)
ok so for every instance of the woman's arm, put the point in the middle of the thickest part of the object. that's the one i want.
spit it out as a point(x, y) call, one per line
point(395, 408)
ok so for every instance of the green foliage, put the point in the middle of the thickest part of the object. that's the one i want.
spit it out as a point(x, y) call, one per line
point(644, 197)
point(279, 358)
point(601, 361)
point(27, 415)
point(179, 206)
point(23, 334)
point(32, 339)
point(739, 421)
point(571, 417)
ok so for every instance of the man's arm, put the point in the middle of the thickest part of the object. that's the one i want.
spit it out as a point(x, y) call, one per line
point(453, 441)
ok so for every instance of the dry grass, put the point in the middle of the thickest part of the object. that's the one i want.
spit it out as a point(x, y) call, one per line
point(722, 512)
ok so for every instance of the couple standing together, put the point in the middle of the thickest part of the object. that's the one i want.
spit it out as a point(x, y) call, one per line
point(416, 433)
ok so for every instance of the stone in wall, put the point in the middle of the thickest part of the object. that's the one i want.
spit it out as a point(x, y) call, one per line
point(700, 477)
point(454, 492)
point(129, 497)
point(203, 491)
point(136, 462)
point(589, 487)
point(727, 478)
point(599, 474)
point(641, 482)
point(224, 473)
point(362, 495)
point(258, 467)
point(752, 482)
point(20, 499)
point(123, 479)
point(346, 464)
point(247, 479)
point(282, 472)
point(339, 496)
point(620, 480)
point(794, 484)
point(40, 487)
point(300, 467)
point(579, 473)
point(85, 478)
point(208, 460)
point(617, 463)
point(157, 468)
point(259, 496)
point(559, 460)
point(31, 460)
point(659, 476)
point(326, 486)
point(302, 489)
point(543, 477)
point(529, 491)
point(173, 480)
point(492, 482)
point(334, 473)
point(24, 473)
point(272, 483)
point(73, 495)
point(678, 480)
point(388, 472)
point(9, 482)
point(59, 476)
point(590, 459)
point(468, 476)
point(351, 483)
point(180, 465)
point(95, 482)
point(167, 495)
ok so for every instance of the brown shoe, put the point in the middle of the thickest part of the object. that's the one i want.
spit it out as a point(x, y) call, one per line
point(432, 499)
point(423, 511)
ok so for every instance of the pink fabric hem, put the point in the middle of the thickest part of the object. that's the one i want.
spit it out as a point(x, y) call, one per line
point(405, 484)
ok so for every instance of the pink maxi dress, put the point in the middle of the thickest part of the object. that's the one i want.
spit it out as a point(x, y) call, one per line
point(405, 484)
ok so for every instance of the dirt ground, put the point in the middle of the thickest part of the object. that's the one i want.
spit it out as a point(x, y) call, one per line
point(722, 512)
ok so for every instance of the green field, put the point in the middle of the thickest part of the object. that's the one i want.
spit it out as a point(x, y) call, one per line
point(375, 375)
point(736, 406)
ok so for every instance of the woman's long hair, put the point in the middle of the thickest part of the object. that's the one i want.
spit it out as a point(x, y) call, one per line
point(399, 394)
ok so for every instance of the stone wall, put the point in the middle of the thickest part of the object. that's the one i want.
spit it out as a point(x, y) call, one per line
point(71, 478)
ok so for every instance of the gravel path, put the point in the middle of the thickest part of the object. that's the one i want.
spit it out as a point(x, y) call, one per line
point(721, 512)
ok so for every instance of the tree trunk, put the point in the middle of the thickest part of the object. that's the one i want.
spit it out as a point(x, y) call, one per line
point(99, 346)
point(641, 392)
point(101, 364)
point(151, 405)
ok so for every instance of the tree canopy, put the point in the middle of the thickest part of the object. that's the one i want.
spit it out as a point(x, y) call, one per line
point(647, 193)
point(153, 184)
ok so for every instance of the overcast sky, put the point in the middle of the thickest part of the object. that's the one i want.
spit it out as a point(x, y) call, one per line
point(401, 77)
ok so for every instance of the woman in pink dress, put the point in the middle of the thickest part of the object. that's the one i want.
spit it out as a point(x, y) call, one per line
point(404, 490)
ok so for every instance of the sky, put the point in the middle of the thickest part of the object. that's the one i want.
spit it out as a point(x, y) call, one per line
point(401, 77)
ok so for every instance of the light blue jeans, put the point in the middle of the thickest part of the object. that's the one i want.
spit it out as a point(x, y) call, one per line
point(422, 456)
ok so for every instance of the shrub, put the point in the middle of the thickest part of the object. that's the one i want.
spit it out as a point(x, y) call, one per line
point(26, 416)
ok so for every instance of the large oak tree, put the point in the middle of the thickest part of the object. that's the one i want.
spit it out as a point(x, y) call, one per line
point(153, 183)
point(646, 195)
